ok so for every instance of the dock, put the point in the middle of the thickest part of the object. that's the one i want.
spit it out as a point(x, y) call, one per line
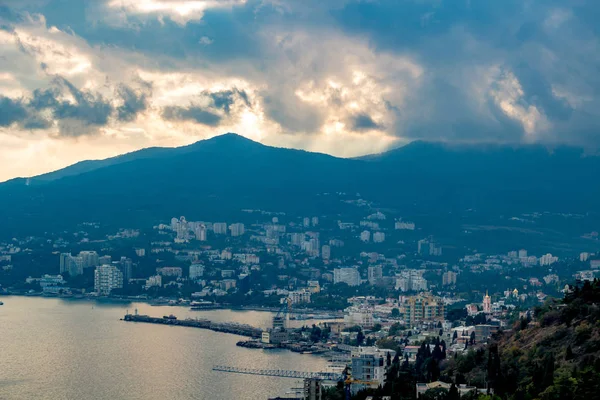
point(225, 327)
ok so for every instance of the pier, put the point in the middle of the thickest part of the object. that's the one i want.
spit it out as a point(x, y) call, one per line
point(225, 327)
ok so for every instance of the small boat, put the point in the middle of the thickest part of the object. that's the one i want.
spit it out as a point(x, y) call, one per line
point(1, 303)
point(169, 317)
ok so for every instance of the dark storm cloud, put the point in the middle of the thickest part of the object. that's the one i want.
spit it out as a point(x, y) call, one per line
point(192, 113)
point(364, 122)
point(133, 103)
point(11, 111)
point(226, 98)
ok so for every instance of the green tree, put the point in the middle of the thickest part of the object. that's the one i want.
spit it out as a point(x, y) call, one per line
point(395, 313)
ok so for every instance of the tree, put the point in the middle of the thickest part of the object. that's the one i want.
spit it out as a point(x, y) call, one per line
point(472, 340)
point(455, 336)
point(395, 313)
point(435, 394)
point(569, 353)
point(453, 393)
point(360, 338)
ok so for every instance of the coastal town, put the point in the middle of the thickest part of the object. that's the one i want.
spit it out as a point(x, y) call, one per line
point(356, 290)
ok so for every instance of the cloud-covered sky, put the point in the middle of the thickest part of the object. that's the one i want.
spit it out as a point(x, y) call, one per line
point(87, 79)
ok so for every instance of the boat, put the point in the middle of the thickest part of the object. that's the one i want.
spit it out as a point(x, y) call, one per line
point(1, 303)
point(169, 316)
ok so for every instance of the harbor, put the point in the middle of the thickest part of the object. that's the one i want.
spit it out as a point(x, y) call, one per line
point(224, 327)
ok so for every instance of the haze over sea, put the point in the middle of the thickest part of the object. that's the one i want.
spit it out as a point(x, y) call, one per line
point(59, 349)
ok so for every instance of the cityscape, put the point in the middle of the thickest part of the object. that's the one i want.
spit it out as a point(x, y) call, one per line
point(299, 200)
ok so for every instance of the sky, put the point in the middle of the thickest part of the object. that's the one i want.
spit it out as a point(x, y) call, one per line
point(90, 79)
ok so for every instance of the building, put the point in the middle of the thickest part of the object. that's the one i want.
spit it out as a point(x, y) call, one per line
point(411, 280)
point(154, 281)
point(425, 307)
point(237, 229)
point(349, 276)
point(378, 237)
point(89, 259)
point(315, 221)
point(220, 228)
point(548, 259)
point(200, 232)
point(368, 365)
point(375, 274)
point(170, 271)
point(522, 253)
point(361, 315)
point(125, 265)
point(196, 271)
point(298, 297)
point(449, 278)
point(462, 388)
point(107, 278)
point(365, 236)
point(402, 225)
point(306, 222)
point(104, 260)
point(326, 252)
point(487, 304)
point(70, 264)
point(140, 252)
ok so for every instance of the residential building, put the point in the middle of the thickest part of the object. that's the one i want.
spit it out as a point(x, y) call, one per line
point(301, 296)
point(140, 252)
point(170, 271)
point(368, 365)
point(349, 276)
point(548, 259)
point(378, 237)
point(365, 236)
point(583, 257)
point(375, 274)
point(196, 271)
point(154, 281)
point(326, 252)
point(70, 264)
point(125, 265)
point(425, 307)
point(107, 278)
point(237, 229)
point(449, 278)
point(200, 232)
point(89, 259)
point(220, 228)
point(402, 225)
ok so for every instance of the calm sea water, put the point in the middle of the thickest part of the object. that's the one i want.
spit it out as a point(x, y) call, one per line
point(61, 349)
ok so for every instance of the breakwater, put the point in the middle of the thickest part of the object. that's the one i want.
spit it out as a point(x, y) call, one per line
point(225, 327)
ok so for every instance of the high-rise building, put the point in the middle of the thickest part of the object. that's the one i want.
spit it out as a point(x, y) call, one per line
point(375, 274)
point(423, 307)
point(297, 238)
point(349, 276)
point(237, 229)
point(71, 265)
point(89, 259)
point(365, 236)
point(125, 265)
point(140, 252)
point(315, 221)
point(378, 237)
point(449, 278)
point(306, 222)
point(104, 260)
point(423, 246)
point(196, 271)
point(326, 252)
point(401, 225)
point(411, 280)
point(107, 278)
point(522, 253)
point(200, 232)
point(583, 257)
point(220, 228)
point(367, 366)
point(548, 259)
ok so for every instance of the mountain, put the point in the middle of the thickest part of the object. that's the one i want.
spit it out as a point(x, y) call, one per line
point(218, 177)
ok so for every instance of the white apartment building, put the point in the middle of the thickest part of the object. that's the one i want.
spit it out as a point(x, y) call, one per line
point(237, 229)
point(349, 276)
point(107, 278)
point(196, 271)
point(378, 237)
point(365, 236)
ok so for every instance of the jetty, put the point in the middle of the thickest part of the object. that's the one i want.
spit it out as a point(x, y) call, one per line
point(225, 327)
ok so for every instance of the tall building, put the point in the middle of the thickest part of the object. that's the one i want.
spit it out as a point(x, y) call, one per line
point(487, 304)
point(89, 259)
point(125, 265)
point(375, 274)
point(449, 278)
point(196, 271)
point(297, 238)
point(326, 252)
point(378, 237)
point(237, 229)
point(411, 280)
point(220, 228)
point(306, 222)
point(315, 221)
point(349, 276)
point(367, 366)
point(423, 246)
point(522, 253)
point(365, 236)
point(548, 259)
point(200, 232)
point(70, 264)
point(104, 260)
point(107, 278)
point(424, 307)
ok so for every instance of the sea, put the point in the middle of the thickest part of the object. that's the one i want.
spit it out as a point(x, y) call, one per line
point(52, 348)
